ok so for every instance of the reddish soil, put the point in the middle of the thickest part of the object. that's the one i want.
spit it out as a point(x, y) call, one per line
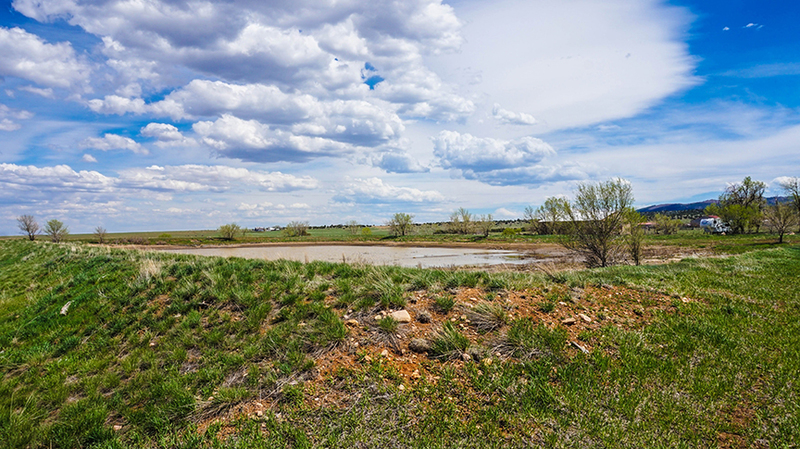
point(589, 309)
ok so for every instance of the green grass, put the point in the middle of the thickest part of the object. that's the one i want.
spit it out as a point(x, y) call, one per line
point(149, 338)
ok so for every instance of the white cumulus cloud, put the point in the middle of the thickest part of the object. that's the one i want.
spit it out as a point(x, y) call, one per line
point(465, 151)
point(113, 142)
point(29, 57)
point(512, 118)
point(375, 191)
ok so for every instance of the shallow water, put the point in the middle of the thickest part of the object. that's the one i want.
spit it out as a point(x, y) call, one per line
point(375, 255)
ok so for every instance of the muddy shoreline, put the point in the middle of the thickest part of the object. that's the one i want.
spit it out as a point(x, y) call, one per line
point(555, 257)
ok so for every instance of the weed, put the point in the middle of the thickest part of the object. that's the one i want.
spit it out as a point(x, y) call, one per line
point(388, 324)
point(487, 317)
point(448, 342)
point(546, 306)
point(444, 303)
point(531, 341)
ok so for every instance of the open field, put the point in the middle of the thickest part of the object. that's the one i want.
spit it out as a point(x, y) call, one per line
point(116, 348)
point(687, 239)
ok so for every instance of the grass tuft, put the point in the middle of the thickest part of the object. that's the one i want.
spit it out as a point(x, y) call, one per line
point(448, 342)
point(487, 317)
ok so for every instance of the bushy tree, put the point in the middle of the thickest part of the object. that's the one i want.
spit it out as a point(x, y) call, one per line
point(666, 225)
point(353, 227)
point(550, 215)
point(56, 230)
point(400, 224)
point(485, 224)
point(28, 225)
point(529, 217)
point(781, 218)
point(634, 236)
point(230, 231)
point(296, 229)
point(595, 221)
point(461, 221)
point(792, 187)
point(740, 206)
point(100, 233)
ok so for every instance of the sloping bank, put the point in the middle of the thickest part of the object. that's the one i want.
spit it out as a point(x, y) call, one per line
point(118, 348)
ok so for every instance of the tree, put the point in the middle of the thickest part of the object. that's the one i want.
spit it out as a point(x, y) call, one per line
point(56, 230)
point(635, 236)
point(550, 215)
point(100, 233)
point(230, 231)
point(296, 229)
point(485, 224)
point(740, 206)
point(530, 217)
point(461, 221)
point(792, 187)
point(595, 221)
point(666, 225)
point(400, 224)
point(352, 227)
point(781, 217)
point(27, 224)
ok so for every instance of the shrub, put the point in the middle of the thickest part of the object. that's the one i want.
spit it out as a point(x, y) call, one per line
point(56, 230)
point(596, 219)
point(230, 231)
point(296, 229)
point(400, 224)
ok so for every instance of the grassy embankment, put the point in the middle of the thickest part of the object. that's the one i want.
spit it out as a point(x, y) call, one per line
point(160, 350)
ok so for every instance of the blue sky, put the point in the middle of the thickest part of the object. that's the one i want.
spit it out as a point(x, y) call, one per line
point(164, 115)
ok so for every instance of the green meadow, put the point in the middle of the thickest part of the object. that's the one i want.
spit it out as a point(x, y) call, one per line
point(104, 347)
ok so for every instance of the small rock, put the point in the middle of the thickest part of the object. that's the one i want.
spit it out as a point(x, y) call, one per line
point(117, 428)
point(487, 361)
point(367, 358)
point(584, 318)
point(569, 321)
point(351, 322)
point(401, 316)
point(415, 375)
point(466, 357)
point(378, 317)
point(259, 413)
point(385, 353)
point(424, 317)
point(152, 343)
point(463, 317)
point(401, 387)
point(419, 345)
point(65, 308)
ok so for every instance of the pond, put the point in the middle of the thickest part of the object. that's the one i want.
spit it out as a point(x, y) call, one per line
point(404, 256)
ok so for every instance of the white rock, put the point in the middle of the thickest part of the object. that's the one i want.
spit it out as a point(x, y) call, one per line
point(401, 316)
